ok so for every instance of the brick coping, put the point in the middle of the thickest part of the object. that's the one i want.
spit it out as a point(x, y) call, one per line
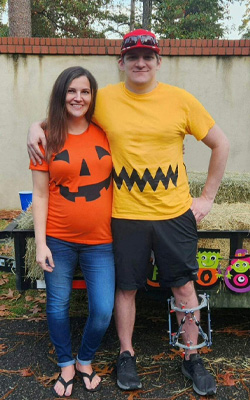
point(91, 46)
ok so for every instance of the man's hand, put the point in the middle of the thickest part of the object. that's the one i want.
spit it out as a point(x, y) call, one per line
point(218, 143)
point(35, 136)
point(201, 207)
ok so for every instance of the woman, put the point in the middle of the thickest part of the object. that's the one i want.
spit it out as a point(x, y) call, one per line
point(72, 197)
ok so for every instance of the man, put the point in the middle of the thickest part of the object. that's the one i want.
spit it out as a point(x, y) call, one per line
point(146, 122)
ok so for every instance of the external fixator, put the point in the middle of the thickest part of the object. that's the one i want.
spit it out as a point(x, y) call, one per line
point(189, 313)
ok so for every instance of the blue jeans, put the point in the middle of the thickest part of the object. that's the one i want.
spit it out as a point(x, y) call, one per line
point(97, 265)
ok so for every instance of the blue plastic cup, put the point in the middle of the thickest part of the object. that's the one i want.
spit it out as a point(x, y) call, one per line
point(25, 199)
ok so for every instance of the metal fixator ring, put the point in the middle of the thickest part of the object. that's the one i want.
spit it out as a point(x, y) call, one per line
point(173, 337)
point(204, 303)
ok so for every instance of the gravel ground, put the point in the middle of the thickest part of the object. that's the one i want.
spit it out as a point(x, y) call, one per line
point(25, 349)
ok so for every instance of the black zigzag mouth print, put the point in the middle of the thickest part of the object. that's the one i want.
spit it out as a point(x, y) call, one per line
point(90, 192)
point(146, 178)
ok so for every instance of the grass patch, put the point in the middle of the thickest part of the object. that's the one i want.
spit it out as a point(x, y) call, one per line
point(10, 282)
point(14, 304)
point(31, 304)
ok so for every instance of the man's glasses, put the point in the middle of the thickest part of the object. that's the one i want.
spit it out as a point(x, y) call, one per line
point(145, 40)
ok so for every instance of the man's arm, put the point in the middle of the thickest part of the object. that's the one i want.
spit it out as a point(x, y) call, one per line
point(35, 136)
point(219, 144)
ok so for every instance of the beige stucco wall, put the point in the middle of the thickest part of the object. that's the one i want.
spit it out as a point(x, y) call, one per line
point(222, 84)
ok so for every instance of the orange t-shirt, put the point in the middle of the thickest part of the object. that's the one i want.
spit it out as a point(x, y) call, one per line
point(80, 189)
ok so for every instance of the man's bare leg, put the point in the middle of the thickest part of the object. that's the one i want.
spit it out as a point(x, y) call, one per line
point(192, 367)
point(125, 311)
point(185, 296)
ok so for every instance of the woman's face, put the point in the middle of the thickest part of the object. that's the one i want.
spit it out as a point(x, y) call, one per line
point(78, 97)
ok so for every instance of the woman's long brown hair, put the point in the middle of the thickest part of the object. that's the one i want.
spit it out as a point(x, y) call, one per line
point(56, 125)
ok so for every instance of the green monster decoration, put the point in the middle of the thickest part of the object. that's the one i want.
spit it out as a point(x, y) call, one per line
point(152, 279)
point(209, 273)
point(237, 275)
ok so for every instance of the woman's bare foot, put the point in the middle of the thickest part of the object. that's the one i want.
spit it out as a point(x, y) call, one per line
point(67, 373)
point(87, 369)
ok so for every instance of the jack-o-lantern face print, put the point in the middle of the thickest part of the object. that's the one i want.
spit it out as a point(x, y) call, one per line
point(94, 171)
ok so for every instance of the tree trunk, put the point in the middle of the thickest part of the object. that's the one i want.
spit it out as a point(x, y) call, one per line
point(146, 17)
point(132, 15)
point(19, 18)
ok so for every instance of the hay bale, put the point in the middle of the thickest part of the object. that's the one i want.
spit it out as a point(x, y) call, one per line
point(25, 220)
point(235, 216)
point(223, 217)
point(234, 188)
point(32, 269)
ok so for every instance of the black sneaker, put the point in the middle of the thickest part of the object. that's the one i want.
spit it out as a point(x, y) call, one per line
point(127, 378)
point(203, 382)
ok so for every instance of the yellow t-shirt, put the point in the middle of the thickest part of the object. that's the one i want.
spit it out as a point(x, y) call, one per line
point(145, 134)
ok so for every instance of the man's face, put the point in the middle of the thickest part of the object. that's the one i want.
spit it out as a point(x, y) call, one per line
point(140, 67)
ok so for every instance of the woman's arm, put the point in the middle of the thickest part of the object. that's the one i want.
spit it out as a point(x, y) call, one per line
point(40, 200)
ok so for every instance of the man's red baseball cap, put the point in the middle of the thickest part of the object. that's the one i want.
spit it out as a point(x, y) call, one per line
point(140, 38)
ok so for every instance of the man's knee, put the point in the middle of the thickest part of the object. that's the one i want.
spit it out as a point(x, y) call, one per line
point(125, 294)
point(185, 291)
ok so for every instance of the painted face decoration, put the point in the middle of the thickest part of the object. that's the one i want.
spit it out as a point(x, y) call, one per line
point(209, 273)
point(90, 191)
point(237, 274)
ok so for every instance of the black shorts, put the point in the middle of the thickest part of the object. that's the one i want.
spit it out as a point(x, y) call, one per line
point(174, 242)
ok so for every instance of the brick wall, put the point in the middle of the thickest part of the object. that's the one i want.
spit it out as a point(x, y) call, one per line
point(169, 47)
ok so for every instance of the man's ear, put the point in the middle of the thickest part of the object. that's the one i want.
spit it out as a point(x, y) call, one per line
point(159, 61)
point(121, 63)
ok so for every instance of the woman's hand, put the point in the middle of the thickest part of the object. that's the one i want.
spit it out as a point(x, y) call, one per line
point(44, 258)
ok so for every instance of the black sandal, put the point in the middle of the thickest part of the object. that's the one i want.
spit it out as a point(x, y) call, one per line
point(90, 377)
point(65, 384)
